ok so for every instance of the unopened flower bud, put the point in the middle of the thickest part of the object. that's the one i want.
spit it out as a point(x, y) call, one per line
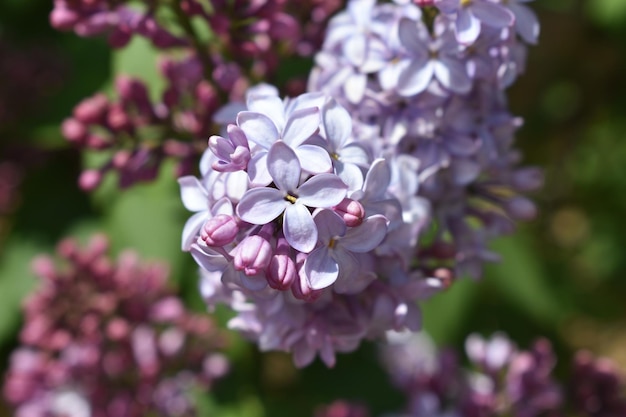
point(92, 110)
point(281, 272)
point(90, 179)
point(253, 255)
point(521, 208)
point(351, 211)
point(62, 18)
point(73, 130)
point(219, 230)
point(528, 179)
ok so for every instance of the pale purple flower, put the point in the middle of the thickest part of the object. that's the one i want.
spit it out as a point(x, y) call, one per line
point(430, 59)
point(472, 14)
point(263, 205)
point(335, 258)
point(526, 22)
point(349, 157)
point(268, 120)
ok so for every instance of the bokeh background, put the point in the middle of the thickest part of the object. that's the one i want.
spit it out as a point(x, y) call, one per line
point(561, 276)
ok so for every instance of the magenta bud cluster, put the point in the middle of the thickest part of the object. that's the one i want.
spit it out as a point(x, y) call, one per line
point(105, 338)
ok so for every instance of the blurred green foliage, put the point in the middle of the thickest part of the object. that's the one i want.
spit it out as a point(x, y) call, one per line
point(561, 275)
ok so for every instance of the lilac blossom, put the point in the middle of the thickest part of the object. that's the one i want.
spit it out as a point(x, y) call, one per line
point(440, 105)
point(298, 258)
point(262, 205)
point(472, 14)
point(102, 336)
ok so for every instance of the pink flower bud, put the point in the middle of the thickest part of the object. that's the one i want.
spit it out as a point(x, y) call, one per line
point(253, 255)
point(281, 272)
point(219, 230)
point(351, 211)
point(73, 130)
point(118, 119)
point(90, 179)
point(62, 18)
point(92, 110)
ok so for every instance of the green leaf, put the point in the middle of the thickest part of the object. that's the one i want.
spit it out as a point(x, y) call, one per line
point(521, 279)
point(16, 281)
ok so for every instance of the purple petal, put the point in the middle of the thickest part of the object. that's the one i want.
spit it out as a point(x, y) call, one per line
point(284, 167)
point(408, 32)
point(349, 174)
point(269, 105)
point(349, 272)
point(453, 75)
point(321, 269)
point(208, 260)
point(299, 228)
point(314, 159)
point(467, 27)
point(354, 153)
point(261, 205)
point(377, 180)
point(492, 14)
point(355, 49)
point(464, 171)
point(193, 194)
point(257, 170)
point(322, 190)
point(304, 101)
point(301, 125)
point(252, 282)
point(367, 236)
point(329, 225)
point(337, 124)
point(354, 87)
point(258, 128)
point(221, 147)
point(415, 77)
point(447, 6)
point(237, 136)
point(192, 226)
point(526, 23)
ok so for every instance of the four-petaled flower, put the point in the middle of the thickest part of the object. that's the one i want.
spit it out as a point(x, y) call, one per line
point(264, 204)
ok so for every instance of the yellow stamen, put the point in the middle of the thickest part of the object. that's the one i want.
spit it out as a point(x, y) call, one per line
point(331, 244)
point(466, 2)
point(290, 198)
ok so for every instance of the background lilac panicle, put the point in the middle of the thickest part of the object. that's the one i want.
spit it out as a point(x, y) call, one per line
point(211, 52)
point(417, 85)
point(106, 337)
point(323, 218)
point(501, 380)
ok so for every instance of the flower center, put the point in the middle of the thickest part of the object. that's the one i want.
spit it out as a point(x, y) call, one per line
point(292, 199)
point(466, 3)
point(331, 244)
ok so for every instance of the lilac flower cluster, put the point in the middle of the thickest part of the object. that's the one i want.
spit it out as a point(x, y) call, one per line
point(310, 210)
point(120, 126)
point(306, 235)
point(501, 380)
point(429, 83)
point(108, 338)
point(247, 41)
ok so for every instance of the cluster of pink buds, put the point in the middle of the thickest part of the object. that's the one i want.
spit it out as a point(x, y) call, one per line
point(104, 338)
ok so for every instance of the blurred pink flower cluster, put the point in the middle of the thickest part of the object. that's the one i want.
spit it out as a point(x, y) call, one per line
point(108, 338)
